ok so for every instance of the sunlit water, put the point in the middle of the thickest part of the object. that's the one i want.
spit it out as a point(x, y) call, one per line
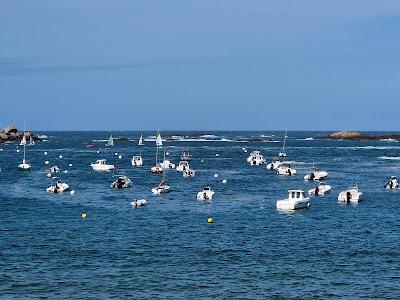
point(168, 250)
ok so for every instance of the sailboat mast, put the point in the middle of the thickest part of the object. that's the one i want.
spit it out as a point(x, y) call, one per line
point(284, 142)
point(157, 156)
point(164, 169)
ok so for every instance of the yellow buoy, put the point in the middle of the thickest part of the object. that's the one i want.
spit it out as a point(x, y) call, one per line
point(209, 220)
point(84, 216)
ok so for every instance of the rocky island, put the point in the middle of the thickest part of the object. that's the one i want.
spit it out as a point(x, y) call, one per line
point(11, 133)
point(358, 136)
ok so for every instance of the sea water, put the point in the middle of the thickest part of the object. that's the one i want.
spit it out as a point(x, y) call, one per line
point(168, 250)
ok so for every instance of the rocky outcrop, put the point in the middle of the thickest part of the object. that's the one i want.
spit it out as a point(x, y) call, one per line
point(11, 133)
point(358, 136)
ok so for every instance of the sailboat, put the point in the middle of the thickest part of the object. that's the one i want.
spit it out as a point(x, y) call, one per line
point(283, 153)
point(157, 168)
point(24, 166)
point(140, 143)
point(163, 187)
point(158, 139)
point(23, 141)
point(110, 142)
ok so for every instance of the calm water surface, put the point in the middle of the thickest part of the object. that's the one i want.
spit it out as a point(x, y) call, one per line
point(167, 249)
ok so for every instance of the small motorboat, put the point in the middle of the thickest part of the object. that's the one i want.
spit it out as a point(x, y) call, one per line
point(137, 161)
point(162, 188)
point(138, 202)
point(90, 145)
point(186, 155)
point(189, 173)
point(24, 166)
point(122, 182)
point(392, 184)
point(285, 169)
point(321, 190)
point(58, 188)
point(183, 165)
point(317, 174)
point(156, 169)
point(54, 169)
point(255, 158)
point(296, 200)
point(350, 195)
point(101, 165)
point(206, 194)
point(166, 164)
point(274, 164)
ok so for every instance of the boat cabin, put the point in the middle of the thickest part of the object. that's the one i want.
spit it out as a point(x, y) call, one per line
point(296, 194)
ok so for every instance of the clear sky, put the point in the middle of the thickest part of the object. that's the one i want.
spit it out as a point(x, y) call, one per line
point(207, 64)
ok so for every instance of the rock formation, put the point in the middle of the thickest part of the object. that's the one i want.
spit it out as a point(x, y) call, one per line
point(11, 133)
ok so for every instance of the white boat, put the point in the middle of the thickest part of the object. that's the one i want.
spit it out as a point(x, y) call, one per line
point(321, 190)
point(317, 174)
point(206, 194)
point(140, 143)
point(122, 182)
point(283, 153)
point(157, 168)
point(54, 169)
point(163, 187)
point(24, 166)
point(183, 165)
point(166, 164)
point(285, 169)
point(189, 173)
point(392, 184)
point(58, 188)
point(159, 142)
point(139, 202)
point(255, 158)
point(137, 161)
point(296, 200)
point(101, 165)
point(186, 155)
point(274, 164)
point(110, 142)
point(350, 195)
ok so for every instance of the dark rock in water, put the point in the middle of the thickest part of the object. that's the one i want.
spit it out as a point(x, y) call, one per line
point(120, 139)
point(357, 136)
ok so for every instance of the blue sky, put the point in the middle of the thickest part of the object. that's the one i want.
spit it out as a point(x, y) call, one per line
point(200, 65)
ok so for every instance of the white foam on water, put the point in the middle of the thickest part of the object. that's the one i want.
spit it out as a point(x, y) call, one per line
point(389, 157)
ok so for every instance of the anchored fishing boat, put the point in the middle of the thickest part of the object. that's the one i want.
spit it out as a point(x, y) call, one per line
point(296, 200)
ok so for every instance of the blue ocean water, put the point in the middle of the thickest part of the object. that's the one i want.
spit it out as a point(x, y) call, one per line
point(168, 250)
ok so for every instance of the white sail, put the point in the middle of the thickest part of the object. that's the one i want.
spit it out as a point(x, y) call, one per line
point(110, 142)
point(159, 140)
point(23, 141)
point(31, 141)
point(141, 140)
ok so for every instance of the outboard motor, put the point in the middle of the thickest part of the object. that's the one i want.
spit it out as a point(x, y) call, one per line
point(348, 196)
point(316, 191)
